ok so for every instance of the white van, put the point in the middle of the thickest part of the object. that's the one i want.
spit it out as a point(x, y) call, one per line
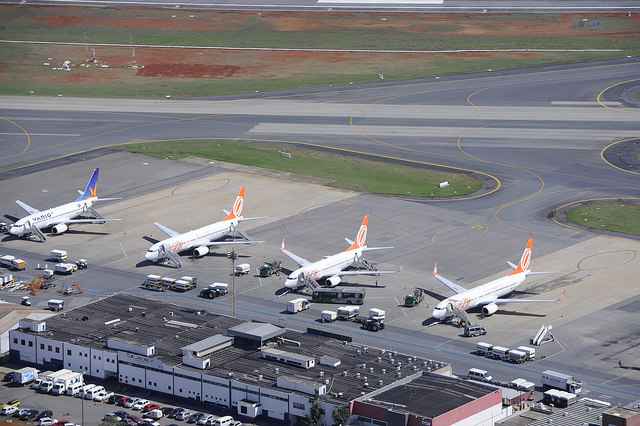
point(223, 421)
point(477, 374)
point(74, 389)
point(84, 390)
point(91, 393)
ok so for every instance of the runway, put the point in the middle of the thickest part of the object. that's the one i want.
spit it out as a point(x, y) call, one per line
point(424, 6)
point(509, 125)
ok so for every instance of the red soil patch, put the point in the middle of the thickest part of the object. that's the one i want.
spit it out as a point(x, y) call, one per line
point(188, 70)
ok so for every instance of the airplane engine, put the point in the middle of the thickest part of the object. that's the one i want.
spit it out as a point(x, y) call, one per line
point(334, 281)
point(60, 228)
point(201, 251)
point(489, 309)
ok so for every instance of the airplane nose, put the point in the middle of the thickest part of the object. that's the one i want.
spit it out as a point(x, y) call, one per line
point(437, 314)
point(151, 256)
point(291, 283)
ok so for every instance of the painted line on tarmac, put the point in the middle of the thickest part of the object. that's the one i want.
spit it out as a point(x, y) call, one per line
point(612, 144)
point(293, 49)
point(24, 132)
point(472, 94)
point(600, 95)
point(39, 134)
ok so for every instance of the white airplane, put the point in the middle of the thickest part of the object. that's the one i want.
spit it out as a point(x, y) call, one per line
point(488, 296)
point(59, 218)
point(331, 268)
point(202, 239)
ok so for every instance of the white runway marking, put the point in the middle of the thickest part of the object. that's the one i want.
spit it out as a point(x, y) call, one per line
point(585, 103)
point(386, 2)
point(40, 134)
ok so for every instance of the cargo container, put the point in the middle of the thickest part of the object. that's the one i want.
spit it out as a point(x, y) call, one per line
point(297, 305)
point(25, 375)
point(555, 380)
point(55, 304)
point(517, 356)
point(348, 312)
point(483, 348)
point(531, 352)
point(328, 316)
point(59, 255)
point(499, 352)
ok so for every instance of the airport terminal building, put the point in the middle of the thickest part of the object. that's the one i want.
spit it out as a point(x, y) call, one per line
point(254, 369)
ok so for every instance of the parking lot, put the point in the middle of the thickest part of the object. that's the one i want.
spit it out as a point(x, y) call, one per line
point(87, 412)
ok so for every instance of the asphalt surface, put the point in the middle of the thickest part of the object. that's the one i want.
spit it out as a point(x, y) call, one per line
point(434, 6)
point(539, 171)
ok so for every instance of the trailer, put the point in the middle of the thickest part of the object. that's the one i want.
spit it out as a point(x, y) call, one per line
point(558, 398)
point(565, 382)
point(531, 352)
point(328, 316)
point(483, 348)
point(298, 305)
point(192, 280)
point(153, 283)
point(24, 376)
point(65, 268)
point(59, 255)
point(7, 280)
point(377, 314)
point(269, 268)
point(347, 313)
point(12, 262)
point(500, 352)
point(517, 356)
point(182, 286)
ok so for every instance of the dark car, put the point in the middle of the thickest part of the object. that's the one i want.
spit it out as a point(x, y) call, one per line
point(121, 414)
point(113, 398)
point(9, 377)
point(195, 417)
point(29, 415)
point(122, 401)
point(44, 413)
point(168, 411)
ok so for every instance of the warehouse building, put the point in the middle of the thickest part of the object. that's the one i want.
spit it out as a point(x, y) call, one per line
point(256, 369)
point(431, 399)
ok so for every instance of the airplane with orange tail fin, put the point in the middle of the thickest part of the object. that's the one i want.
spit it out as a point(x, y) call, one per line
point(331, 269)
point(58, 219)
point(201, 240)
point(486, 296)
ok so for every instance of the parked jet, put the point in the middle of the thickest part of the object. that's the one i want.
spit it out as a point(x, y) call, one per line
point(331, 269)
point(487, 296)
point(202, 239)
point(58, 219)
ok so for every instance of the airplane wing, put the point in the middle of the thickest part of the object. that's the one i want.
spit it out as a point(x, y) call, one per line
point(100, 221)
point(456, 288)
point(375, 248)
point(301, 261)
point(26, 207)
point(170, 232)
point(363, 272)
point(505, 301)
point(228, 243)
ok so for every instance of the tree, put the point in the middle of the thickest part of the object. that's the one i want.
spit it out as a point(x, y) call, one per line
point(315, 414)
point(340, 415)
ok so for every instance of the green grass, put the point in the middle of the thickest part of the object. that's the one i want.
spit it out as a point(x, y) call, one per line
point(609, 215)
point(340, 171)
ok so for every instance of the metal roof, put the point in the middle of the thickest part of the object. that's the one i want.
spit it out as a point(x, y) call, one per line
point(256, 331)
point(207, 343)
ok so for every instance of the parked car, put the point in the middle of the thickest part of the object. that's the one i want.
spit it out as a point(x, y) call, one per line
point(168, 411)
point(153, 414)
point(183, 414)
point(204, 420)
point(9, 410)
point(44, 413)
point(112, 417)
point(28, 414)
point(47, 421)
point(150, 422)
point(150, 406)
point(139, 404)
point(195, 417)
point(123, 400)
point(113, 399)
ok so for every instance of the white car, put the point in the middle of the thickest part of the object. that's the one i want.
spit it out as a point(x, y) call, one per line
point(47, 421)
point(139, 404)
point(102, 396)
point(205, 420)
point(9, 411)
point(184, 415)
point(150, 422)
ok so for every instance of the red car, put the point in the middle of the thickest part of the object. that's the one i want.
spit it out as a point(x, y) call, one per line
point(122, 401)
point(150, 406)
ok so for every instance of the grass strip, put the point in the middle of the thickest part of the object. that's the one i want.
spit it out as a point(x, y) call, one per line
point(340, 171)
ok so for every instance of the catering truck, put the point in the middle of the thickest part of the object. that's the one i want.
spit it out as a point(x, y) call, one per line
point(12, 262)
point(25, 375)
point(566, 382)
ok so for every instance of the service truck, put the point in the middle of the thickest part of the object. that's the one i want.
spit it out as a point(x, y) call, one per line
point(65, 268)
point(517, 356)
point(25, 375)
point(55, 304)
point(531, 352)
point(242, 269)
point(59, 255)
point(566, 382)
point(62, 382)
point(328, 316)
point(483, 348)
point(12, 262)
point(346, 313)
point(500, 352)
point(47, 383)
point(297, 305)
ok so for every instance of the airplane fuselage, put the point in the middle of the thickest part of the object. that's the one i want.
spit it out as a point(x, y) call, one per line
point(192, 239)
point(47, 218)
point(327, 267)
point(480, 296)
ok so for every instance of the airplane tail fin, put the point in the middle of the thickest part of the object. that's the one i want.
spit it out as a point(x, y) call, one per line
point(236, 210)
point(525, 261)
point(91, 188)
point(361, 236)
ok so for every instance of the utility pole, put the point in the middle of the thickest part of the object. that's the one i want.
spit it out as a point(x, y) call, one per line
point(234, 256)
